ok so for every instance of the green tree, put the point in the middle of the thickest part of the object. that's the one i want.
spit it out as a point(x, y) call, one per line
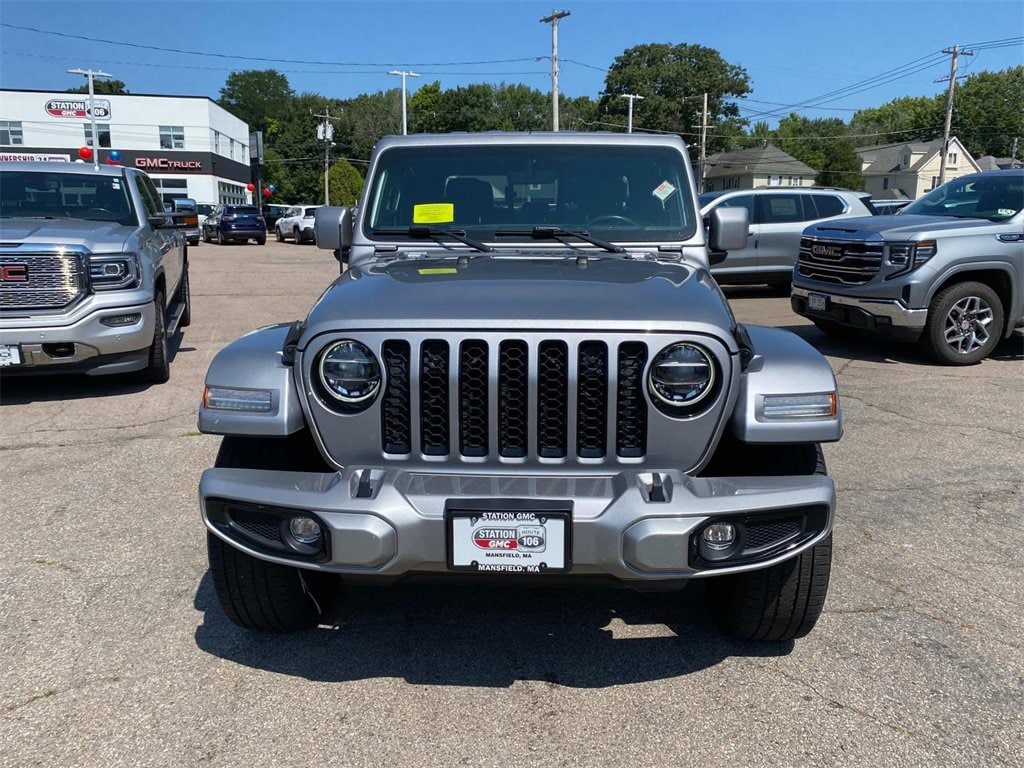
point(346, 183)
point(257, 96)
point(101, 87)
point(989, 112)
point(673, 80)
point(825, 145)
point(907, 118)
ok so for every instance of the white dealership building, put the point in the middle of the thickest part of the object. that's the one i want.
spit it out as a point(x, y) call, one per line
point(189, 145)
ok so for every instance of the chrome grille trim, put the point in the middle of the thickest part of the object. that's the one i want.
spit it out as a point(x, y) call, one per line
point(56, 280)
point(857, 264)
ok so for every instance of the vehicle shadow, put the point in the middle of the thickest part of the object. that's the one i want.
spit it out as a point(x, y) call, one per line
point(879, 350)
point(27, 388)
point(488, 637)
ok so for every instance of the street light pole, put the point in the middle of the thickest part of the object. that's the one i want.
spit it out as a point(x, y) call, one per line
point(553, 21)
point(632, 97)
point(404, 75)
point(90, 74)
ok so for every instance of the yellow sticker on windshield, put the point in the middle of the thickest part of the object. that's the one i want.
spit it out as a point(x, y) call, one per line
point(433, 213)
point(438, 271)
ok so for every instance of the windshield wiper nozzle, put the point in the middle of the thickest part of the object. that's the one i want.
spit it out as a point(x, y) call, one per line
point(561, 235)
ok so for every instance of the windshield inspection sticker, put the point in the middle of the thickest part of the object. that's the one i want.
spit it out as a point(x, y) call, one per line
point(663, 191)
point(433, 213)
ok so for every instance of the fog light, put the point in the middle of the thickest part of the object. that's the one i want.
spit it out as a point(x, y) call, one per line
point(304, 530)
point(719, 536)
point(117, 320)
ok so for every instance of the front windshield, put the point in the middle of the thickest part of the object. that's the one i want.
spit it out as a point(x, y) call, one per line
point(625, 193)
point(61, 195)
point(997, 198)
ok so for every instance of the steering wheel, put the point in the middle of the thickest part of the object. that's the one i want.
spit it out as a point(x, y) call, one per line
point(613, 218)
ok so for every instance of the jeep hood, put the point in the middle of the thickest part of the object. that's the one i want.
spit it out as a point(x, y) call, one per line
point(898, 228)
point(95, 235)
point(485, 291)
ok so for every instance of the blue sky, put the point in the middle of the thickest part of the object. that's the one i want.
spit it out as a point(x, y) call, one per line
point(793, 51)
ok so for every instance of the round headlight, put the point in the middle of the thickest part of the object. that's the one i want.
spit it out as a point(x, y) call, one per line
point(681, 376)
point(349, 372)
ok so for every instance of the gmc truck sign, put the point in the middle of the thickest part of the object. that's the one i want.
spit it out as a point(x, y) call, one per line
point(167, 164)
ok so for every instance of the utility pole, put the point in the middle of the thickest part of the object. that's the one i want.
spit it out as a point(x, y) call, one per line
point(90, 74)
point(703, 141)
point(954, 52)
point(325, 133)
point(1013, 152)
point(404, 75)
point(632, 97)
point(553, 21)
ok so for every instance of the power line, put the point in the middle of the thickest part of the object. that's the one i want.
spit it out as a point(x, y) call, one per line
point(265, 59)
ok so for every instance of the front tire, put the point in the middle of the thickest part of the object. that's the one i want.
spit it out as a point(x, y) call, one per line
point(185, 296)
point(220, 238)
point(158, 369)
point(254, 593)
point(782, 602)
point(298, 237)
point(964, 324)
point(277, 235)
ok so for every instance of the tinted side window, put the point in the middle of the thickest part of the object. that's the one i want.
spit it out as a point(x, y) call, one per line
point(827, 205)
point(741, 201)
point(150, 197)
point(780, 209)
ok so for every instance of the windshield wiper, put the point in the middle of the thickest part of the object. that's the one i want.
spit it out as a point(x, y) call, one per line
point(562, 236)
point(434, 233)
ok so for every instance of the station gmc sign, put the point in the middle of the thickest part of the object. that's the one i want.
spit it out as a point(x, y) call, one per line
point(167, 164)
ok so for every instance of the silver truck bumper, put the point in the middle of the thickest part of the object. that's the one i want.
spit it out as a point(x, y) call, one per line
point(898, 314)
point(79, 341)
point(389, 523)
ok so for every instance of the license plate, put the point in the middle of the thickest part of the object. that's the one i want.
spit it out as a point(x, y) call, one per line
point(10, 354)
point(817, 301)
point(527, 542)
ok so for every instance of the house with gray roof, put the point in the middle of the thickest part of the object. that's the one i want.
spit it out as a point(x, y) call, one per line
point(909, 169)
point(990, 163)
point(764, 166)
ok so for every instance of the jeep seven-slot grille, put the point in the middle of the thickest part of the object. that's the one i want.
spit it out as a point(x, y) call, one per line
point(45, 281)
point(839, 261)
point(531, 403)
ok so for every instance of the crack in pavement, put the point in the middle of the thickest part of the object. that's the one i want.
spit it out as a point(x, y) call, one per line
point(926, 423)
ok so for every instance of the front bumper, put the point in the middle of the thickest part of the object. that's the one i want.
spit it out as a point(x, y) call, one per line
point(890, 317)
point(391, 523)
point(81, 342)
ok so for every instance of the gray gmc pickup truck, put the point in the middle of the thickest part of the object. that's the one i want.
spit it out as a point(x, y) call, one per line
point(526, 375)
point(947, 271)
point(93, 271)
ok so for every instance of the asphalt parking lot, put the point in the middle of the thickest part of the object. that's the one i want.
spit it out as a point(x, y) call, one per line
point(115, 652)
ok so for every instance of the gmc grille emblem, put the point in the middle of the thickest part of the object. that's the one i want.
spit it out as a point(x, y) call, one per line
point(828, 251)
point(14, 273)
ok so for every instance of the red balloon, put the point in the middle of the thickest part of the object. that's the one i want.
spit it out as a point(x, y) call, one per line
point(267, 193)
point(85, 153)
point(250, 186)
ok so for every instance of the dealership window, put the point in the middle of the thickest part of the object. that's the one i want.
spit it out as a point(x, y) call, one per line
point(231, 194)
point(172, 137)
point(10, 133)
point(216, 141)
point(102, 133)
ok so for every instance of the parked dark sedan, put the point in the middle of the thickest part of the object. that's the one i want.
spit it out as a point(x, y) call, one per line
point(235, 223)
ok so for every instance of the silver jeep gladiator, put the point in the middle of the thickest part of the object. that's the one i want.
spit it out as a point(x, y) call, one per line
point(947, 271)
point(526, 375)
point(93, 271)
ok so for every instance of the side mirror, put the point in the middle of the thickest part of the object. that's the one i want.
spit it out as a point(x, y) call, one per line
point(333, 228)
point(729, 230)
point(160, 222)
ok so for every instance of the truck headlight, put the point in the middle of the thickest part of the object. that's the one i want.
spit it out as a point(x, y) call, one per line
point(682, 376)
point(350, 373)
point(910, 256)
point(113, 271)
